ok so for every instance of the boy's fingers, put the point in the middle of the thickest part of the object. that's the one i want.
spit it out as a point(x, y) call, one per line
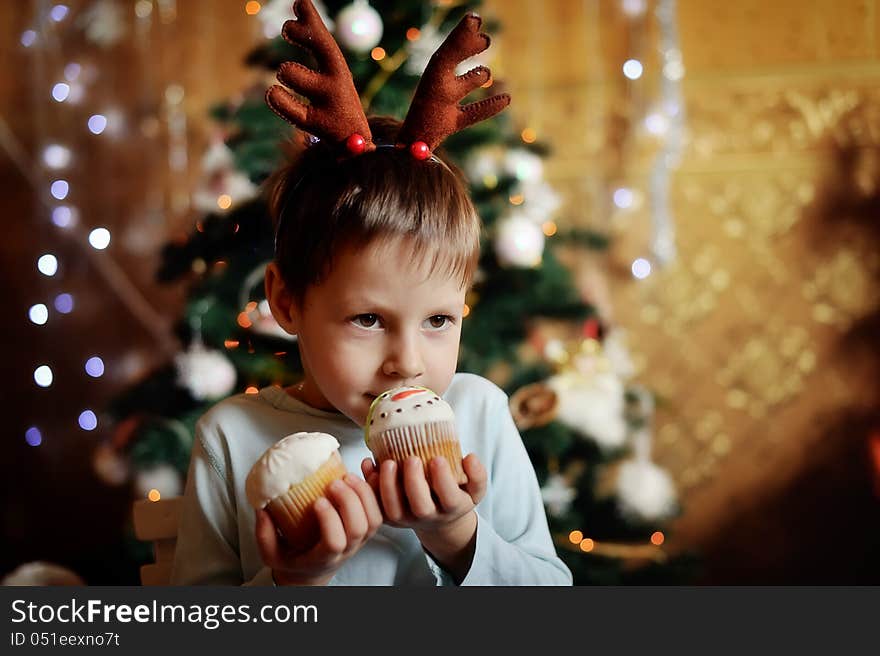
point(444, 484)
point(333, 538)
point(478, 478)
point(267, 539)
point(390, 491)
point(418, 494)
point(351, 511)
point(368, 501)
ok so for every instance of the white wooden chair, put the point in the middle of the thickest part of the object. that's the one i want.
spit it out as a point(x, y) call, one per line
point(156, 522)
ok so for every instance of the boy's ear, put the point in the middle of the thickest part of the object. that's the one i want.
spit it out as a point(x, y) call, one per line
point(281, 301)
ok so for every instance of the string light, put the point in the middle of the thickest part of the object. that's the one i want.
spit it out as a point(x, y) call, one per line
point(56, 156)
point(94, 367)
point(99, 238)
point(231, 343)
point(549, 228)
point(251, 390)
point(64, 303)
point(47, 264)
point(97, 123)
point(413, 34)
point(88, 420)
point(529, 135)
point(657, 538)
point(28, 38)
point(623, 198)
point(378, 53)
point(224, 201)
point(575, 537)
point(43, 375)
point(33, 436)
point(641, 268)
point(252, 8)
point(154, 495)
point(58, 13)
point(143, 8)
point(60, 91)
point(64, 216)
point(72, 71)
point(633, 69)
point(587, 544)
point(59, 189)
point(38, 314)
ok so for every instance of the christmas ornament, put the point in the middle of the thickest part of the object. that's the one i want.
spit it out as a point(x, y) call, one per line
point(358, 27)
point(524, 165)
point(207, 374)
point(483, 164)
point(41, 573)
point(273, 14)
point(557, 494)
point(163, 478)
point(519, 242)
point(592, 406)
point(223, 186)
point(540, 201)
point(533, 406)
point(645, 491)
point(419, 52)
point(110, 466)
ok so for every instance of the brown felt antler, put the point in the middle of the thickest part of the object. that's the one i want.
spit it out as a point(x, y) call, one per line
point(335, 111)
point(435, 112)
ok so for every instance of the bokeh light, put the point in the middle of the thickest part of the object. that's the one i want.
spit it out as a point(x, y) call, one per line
point(95, 367)
point(33, 436)
point(39, 314)
point(43, 375)
point(87, 420)
point(64, 303)
point(99, 238)
point(47, 264)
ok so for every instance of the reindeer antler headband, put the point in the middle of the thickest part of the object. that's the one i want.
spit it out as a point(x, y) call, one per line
point(335, 113)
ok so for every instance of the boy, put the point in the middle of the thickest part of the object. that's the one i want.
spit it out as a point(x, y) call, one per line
point(374, 254)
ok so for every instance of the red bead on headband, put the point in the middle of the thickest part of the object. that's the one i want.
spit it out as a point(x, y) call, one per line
point(335, 113)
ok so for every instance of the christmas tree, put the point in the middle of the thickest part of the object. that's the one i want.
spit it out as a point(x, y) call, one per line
point(527, 328)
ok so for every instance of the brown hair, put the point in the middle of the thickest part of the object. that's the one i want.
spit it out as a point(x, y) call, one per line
point(320, 205)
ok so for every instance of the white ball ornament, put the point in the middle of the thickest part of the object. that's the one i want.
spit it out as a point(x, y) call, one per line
point(207, 374)
point(645, 491)
point(359, 27)
point(519, 242)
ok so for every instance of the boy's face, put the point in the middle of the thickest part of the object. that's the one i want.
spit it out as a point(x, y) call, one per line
point(381, 319)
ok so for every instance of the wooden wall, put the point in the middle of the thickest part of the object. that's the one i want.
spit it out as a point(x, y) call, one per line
point(756, 337)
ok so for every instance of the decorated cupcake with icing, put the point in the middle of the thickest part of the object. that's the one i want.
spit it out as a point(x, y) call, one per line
point(289, 477)
point(413, 421)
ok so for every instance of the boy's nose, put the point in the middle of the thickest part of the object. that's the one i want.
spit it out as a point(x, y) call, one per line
point(403, 360)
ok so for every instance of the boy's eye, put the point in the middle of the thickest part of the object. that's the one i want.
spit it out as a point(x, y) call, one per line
point(366, 320)
point(438, 321)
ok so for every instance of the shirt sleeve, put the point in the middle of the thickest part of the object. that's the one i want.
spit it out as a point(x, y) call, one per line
point(513, 545)
point(207, 551)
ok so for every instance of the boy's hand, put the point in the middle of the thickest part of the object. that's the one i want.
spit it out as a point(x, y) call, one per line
point(347, 517)
point(434, 506)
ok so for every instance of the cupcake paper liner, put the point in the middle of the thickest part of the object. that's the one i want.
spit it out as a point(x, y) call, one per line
point(293, 511)
point(425, 441)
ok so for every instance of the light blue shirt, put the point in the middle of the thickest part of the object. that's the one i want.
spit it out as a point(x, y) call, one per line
point(216, 543)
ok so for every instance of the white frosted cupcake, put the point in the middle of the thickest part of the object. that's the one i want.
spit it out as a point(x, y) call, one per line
point(413, 421)
point(288, 478)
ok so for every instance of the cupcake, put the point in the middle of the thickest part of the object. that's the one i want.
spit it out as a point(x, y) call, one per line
point(289, 477)
point(413, 421)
